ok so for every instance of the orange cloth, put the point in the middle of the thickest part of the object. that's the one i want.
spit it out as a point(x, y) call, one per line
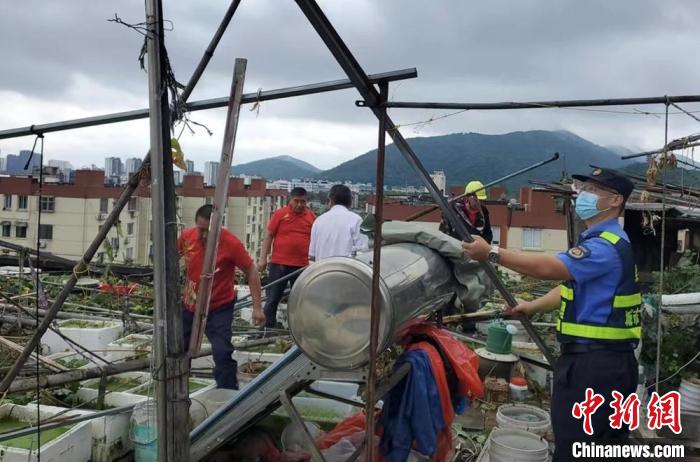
point(463, 360)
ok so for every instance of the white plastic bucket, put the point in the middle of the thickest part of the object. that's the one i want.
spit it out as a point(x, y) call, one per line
point(523, 417)
point(510, 445)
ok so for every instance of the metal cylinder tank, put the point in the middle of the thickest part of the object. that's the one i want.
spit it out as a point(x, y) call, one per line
point(329, 306)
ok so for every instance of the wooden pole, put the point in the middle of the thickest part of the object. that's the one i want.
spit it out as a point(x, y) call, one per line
point(220, 203)
point(170, 363)
point(54, 380)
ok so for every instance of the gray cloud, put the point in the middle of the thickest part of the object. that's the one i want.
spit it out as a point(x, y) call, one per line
point(464, 51)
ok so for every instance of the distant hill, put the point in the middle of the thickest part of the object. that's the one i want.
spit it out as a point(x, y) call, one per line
point(467, 156)
point(274, 168)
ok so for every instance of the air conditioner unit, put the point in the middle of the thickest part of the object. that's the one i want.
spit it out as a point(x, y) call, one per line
point(132, 213)
point(126, 241)
point(42, 244)
point(683, 240)
point(101, 216)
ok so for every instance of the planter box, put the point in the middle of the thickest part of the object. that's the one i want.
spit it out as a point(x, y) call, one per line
point(73, 360)
point(124, 383)
point(93, 335)
point(134, 346)
point(110, 434)
point(71, 444)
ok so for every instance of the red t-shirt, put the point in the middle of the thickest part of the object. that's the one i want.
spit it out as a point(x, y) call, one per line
point(231, 255)
point(292, 236)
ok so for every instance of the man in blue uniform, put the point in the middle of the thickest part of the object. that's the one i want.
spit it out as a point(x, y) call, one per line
point(599, 303)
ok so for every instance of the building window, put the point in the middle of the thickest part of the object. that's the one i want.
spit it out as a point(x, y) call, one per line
point(8, 202)
point(209, 200)
point(23, 200)
point(6, 229)
point(115, 244)
point(21, 231)
point(130, 229)
point(104, 205)
point(496, 230)
point(48, 204)
point(132, 204)
point(45, 231)
point(130, 253)
point(532, 238)
point(253, 228)
point(248, 219)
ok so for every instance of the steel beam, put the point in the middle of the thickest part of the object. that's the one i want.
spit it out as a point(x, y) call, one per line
point(288, 92)
point(364, 86)
point(540, 104)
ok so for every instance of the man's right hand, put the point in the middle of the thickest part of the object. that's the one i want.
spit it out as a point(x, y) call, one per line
point(523, 307)
point(262, 264)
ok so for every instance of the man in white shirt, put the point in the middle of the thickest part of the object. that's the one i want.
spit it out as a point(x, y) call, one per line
point(336, 233)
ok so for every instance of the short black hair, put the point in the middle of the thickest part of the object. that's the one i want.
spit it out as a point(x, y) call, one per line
point(298, 192)
point(204, 212)
point(340, 195)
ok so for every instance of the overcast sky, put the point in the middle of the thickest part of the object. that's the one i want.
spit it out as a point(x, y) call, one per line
point(63, 60)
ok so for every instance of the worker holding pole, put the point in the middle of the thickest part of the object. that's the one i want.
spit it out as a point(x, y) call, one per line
point(231, 254)
point(474, 214)
point(599, 304)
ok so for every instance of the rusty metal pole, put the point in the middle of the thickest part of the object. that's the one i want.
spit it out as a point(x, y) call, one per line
point(220, 202)
point(376, 308)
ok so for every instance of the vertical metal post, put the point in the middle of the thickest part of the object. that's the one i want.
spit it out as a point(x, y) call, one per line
point(375, 312)
point(220, 201)
point(112, 218)
point(171, 366)
point(663, 249)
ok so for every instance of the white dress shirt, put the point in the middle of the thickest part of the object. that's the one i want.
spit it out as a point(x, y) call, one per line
point(336, 233)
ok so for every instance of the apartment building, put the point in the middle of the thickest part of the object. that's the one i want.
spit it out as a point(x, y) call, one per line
point(72, 213)
point(534, 223)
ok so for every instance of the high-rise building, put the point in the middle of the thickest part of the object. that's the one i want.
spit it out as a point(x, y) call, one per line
point(132, 165)
point(3, 164)
point(113, 170)
point(440, 181)
point(65, 168)
point(15, 163)
point(211, 171)
point(190, 166)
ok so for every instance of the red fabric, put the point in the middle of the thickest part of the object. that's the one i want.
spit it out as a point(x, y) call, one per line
point(472, 214)
point(231, 255)
point(292, 236)
point(354, 424)
point(463, 360)
point(120, 289)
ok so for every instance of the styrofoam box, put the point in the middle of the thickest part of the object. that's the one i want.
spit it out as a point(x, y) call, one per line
point(93, 338)
point(129, 347)
point(73, 446)
point(144, 377)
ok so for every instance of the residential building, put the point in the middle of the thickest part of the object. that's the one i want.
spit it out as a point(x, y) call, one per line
point(3, 164)
point(65, 168)
point(534, 223)
point(71, 214)
point(132, 165)
point(440, 181)
point(113, 170)
point(177, 176)
point(211, 171)
point(15, 163)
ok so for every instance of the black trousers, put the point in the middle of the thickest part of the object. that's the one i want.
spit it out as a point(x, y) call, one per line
point(218, 331)
point(274, 294)
point(603, 371)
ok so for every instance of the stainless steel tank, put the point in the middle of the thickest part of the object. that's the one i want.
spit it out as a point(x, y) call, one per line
point(329, 306)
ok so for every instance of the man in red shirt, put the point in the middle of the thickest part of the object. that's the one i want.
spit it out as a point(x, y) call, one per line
point(231, 254)
point(290, 230)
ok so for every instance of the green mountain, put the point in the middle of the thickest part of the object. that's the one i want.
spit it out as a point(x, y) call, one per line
point(274, 168)
point(467, 156)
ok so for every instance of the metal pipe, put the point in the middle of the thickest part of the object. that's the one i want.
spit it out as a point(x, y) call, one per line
point(287, 92)
point(375, 309)
point(679, 143)
point(542, 104)
point(199, 320)
point(354, 71)
point(487, 185)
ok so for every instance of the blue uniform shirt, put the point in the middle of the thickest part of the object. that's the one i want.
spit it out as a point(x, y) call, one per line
point(596, 272)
